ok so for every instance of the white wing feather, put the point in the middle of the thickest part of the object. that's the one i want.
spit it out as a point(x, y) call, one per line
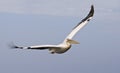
point(39, 47)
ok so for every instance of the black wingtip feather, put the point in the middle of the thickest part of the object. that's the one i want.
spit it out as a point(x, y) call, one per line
point(90, 14)
point(91, 11)
point(13, 46)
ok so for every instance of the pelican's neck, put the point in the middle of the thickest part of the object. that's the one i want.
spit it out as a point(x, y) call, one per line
point(66, 42)
point(70, 41)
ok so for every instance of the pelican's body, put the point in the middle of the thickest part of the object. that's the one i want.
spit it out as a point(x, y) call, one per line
point(66, 44)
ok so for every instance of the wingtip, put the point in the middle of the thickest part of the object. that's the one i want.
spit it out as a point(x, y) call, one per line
point(91, 13)
point(13, 46)
point(92, 6)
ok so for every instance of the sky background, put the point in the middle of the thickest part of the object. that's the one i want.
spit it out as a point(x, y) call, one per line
point(35, 22)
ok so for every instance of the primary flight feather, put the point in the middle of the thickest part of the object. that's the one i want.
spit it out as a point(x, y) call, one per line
point(66, 44)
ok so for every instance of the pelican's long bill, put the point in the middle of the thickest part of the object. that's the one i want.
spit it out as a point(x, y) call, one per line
point(67, 43)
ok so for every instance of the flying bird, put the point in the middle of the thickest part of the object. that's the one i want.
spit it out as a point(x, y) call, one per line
point(67, 43)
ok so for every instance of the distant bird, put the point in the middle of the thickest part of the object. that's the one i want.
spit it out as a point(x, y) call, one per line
point(67, 43)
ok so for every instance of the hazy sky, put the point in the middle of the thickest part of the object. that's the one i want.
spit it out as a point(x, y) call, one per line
point(35, 22)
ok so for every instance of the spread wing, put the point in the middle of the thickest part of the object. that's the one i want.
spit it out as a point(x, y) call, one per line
point(42, 47)
point(38, 47)
point(81, 24)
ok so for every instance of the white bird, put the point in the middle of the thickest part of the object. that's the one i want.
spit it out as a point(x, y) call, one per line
point(66, 44)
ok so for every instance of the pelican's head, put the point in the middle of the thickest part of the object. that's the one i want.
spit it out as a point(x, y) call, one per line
point(70, 41)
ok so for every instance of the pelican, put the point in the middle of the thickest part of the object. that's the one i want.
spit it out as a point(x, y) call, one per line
point(67, 43)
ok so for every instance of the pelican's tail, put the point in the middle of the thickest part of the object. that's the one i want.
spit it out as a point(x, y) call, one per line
point(72, 41)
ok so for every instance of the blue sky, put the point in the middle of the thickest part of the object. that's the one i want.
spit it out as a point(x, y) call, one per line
point(33, 22)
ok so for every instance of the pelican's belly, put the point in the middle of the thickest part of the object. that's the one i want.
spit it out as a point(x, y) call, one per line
point(62, 50)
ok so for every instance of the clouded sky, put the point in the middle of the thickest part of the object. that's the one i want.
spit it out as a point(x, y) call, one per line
point(33, 22)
